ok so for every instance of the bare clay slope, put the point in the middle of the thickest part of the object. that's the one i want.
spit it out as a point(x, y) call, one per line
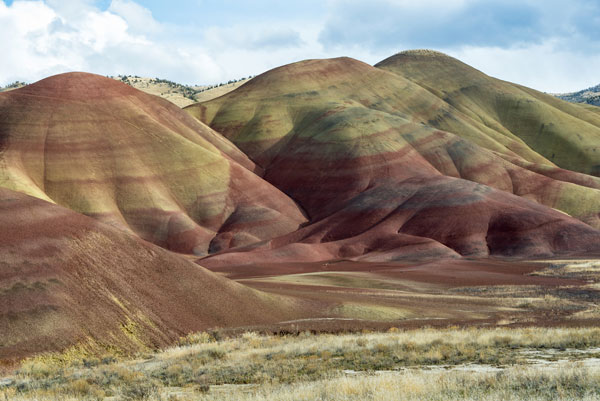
point(342, 138)
point(67, 279)
point(137, 162)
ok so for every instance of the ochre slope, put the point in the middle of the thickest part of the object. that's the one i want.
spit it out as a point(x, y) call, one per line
point(272, 103)
point(133, 160)
point(566, 134)
point(67, 279)
point(325, 130)
point(328, 132)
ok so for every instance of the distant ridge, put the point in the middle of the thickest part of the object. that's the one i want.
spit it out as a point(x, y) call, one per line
point(589, 96)
point(180, 94)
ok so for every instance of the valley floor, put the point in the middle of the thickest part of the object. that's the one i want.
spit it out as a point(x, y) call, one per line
point(349, 295)
point(466, 329)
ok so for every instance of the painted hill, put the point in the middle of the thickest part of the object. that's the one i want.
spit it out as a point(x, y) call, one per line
point(566, 134)
point(67, 279)
point(420, 157)
point(423, 218)
point(137, 162)
point(342, 138)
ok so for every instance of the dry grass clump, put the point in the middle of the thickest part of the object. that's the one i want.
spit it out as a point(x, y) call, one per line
point(573, 383)
point(564, 301)
point(587, 269)
point(421, 52)
point(205, 362)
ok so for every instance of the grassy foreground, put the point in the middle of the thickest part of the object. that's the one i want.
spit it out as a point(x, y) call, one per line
point(483, 364)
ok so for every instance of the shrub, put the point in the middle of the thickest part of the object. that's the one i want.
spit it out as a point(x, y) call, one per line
point(140, 389)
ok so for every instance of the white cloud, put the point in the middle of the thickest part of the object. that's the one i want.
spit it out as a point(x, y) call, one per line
point(138, 18)
point(26, 45)
point(250, 49)
point(550, 66)
point(252, 37)
point(54, 37)
point(551, 45)
point(41, 38)
point(70, 10)
point(57, 36)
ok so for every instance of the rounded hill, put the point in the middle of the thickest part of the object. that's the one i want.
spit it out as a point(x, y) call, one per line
point(137, 162)
point(67, 279)
point(328, 139)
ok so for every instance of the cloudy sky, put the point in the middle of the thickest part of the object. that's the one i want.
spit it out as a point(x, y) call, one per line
point(550, 45)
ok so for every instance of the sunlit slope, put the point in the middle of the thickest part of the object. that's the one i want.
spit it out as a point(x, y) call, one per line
point(137, 162)
point(67, 279)
point(313, 85)
point(326, 130)
point(355, 146)
point(566, 134)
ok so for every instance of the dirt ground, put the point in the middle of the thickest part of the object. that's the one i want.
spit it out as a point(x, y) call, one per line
point(347, 296)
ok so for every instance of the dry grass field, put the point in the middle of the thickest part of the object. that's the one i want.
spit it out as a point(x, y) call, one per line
point(430, 364)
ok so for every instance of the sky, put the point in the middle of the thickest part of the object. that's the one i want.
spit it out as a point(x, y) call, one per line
point(550, 45)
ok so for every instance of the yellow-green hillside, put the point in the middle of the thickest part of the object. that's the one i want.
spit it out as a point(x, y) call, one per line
point(564, 133)
point(327, 130)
